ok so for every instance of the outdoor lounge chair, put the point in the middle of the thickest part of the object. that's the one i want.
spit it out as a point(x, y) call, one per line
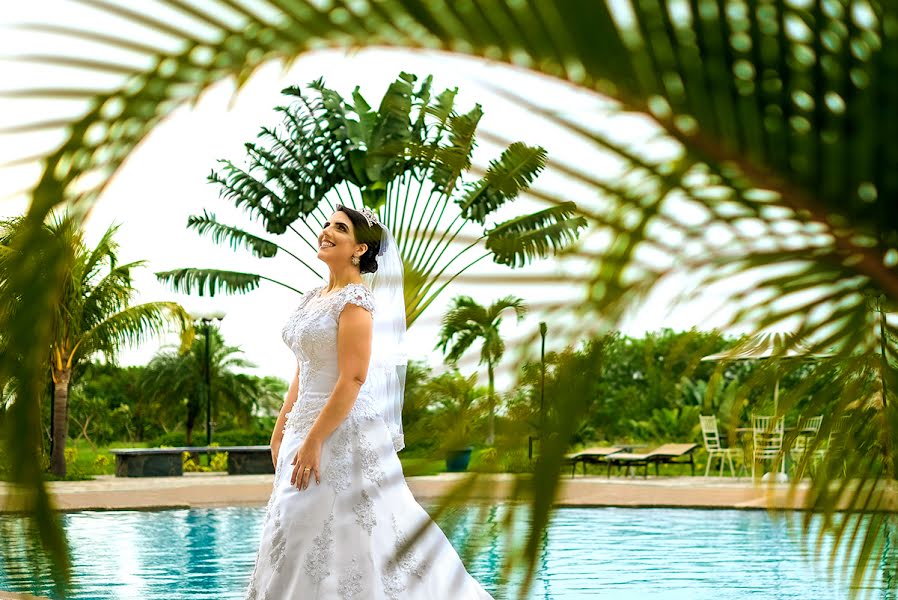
point(667, 454)
point(593, 455)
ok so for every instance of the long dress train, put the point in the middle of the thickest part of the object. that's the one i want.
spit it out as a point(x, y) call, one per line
point(338, 539)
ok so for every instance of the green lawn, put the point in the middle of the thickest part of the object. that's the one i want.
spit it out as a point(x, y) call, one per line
point(86, 463)
point(89, 463)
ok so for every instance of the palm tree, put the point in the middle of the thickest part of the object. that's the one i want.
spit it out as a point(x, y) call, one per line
point(781, 116)
point(176, 379)
point(465, 323)
point(93, 316)
point(406, 159)
point(454, 401)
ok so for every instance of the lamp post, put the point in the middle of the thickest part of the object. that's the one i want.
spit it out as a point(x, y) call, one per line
point(542, 360)
point(206, 319)
point(542, 387)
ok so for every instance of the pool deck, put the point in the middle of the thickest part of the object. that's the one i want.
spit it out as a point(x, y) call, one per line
point(213, 489)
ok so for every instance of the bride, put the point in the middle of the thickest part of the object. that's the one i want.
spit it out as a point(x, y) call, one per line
point(340, 510)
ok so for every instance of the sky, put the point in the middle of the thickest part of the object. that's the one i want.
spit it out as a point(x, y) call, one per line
point(164, 181)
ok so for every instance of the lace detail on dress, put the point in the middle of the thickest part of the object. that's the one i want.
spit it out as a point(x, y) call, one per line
point(321, 554)
point(278, 542)
point(364, 513)
point(350, 584)
point(252, 591)
point(395, 577)
point(370, 461)
point(338, 469)
point(358, 294)
point(304, 412)
point(290, 329)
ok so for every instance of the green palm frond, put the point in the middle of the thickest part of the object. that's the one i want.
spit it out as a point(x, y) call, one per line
point(453, 159)
point(462, 325)
point(519, 240)
point(209, 281)
point(112, 293)
point(207, 224)
point(135, 325)
point(390, 136)
point(505, 178)
point(332, 149)
point(105, 250)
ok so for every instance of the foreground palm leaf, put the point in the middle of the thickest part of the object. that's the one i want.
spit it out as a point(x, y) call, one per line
point(784, 113)
point(92, 315)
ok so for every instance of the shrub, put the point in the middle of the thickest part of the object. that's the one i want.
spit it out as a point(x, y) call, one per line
point(218, 462)
point(258, 436)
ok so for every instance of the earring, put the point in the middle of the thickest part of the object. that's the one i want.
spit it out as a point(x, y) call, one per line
point(355, 260)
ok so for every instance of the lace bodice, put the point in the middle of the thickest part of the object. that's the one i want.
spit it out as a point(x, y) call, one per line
point(311, 332)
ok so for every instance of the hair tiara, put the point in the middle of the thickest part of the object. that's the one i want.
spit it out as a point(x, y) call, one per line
point(366, 212)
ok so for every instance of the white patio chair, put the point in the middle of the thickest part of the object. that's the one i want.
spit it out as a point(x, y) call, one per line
point(811, 424)
point(767, 441)
point(808, 428)
point(713, 446)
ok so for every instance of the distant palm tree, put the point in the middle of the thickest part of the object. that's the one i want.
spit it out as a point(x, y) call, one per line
point(93, 315)
point(465, 323)
point(179, 377)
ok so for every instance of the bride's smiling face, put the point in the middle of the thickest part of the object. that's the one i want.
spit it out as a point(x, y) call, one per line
point(336, 242)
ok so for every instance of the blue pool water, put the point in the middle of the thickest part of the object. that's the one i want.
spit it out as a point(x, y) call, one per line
point(631, 554)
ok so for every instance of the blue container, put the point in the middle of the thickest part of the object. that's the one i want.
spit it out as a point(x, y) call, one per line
point(457, 460)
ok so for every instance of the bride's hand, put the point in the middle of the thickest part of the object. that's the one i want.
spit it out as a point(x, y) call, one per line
point(305, 463)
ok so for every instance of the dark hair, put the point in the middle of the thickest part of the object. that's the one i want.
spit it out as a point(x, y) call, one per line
point(365, 234)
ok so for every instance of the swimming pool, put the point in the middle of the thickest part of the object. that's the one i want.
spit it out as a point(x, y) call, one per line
point(631, 554)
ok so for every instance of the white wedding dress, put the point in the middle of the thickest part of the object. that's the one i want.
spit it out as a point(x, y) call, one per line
point(339, 539)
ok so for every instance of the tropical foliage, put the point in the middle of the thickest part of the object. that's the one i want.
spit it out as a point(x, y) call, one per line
point(93, 316)
point(408, 160)
point(456, 405)
point(782, 114)
point(177, 380)
point(466, 323)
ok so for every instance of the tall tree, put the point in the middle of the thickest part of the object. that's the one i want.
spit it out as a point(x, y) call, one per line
point(93, 315)
point(409, 160)
point(177, 379)
point(465, 323)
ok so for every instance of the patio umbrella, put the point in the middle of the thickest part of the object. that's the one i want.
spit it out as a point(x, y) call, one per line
point(768, 345)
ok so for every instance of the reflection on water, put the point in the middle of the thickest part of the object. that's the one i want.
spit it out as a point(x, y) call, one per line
point(674, 554)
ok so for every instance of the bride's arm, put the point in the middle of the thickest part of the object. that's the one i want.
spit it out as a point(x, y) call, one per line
point(278, 434)
point(354, 335)
point(353, 353)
